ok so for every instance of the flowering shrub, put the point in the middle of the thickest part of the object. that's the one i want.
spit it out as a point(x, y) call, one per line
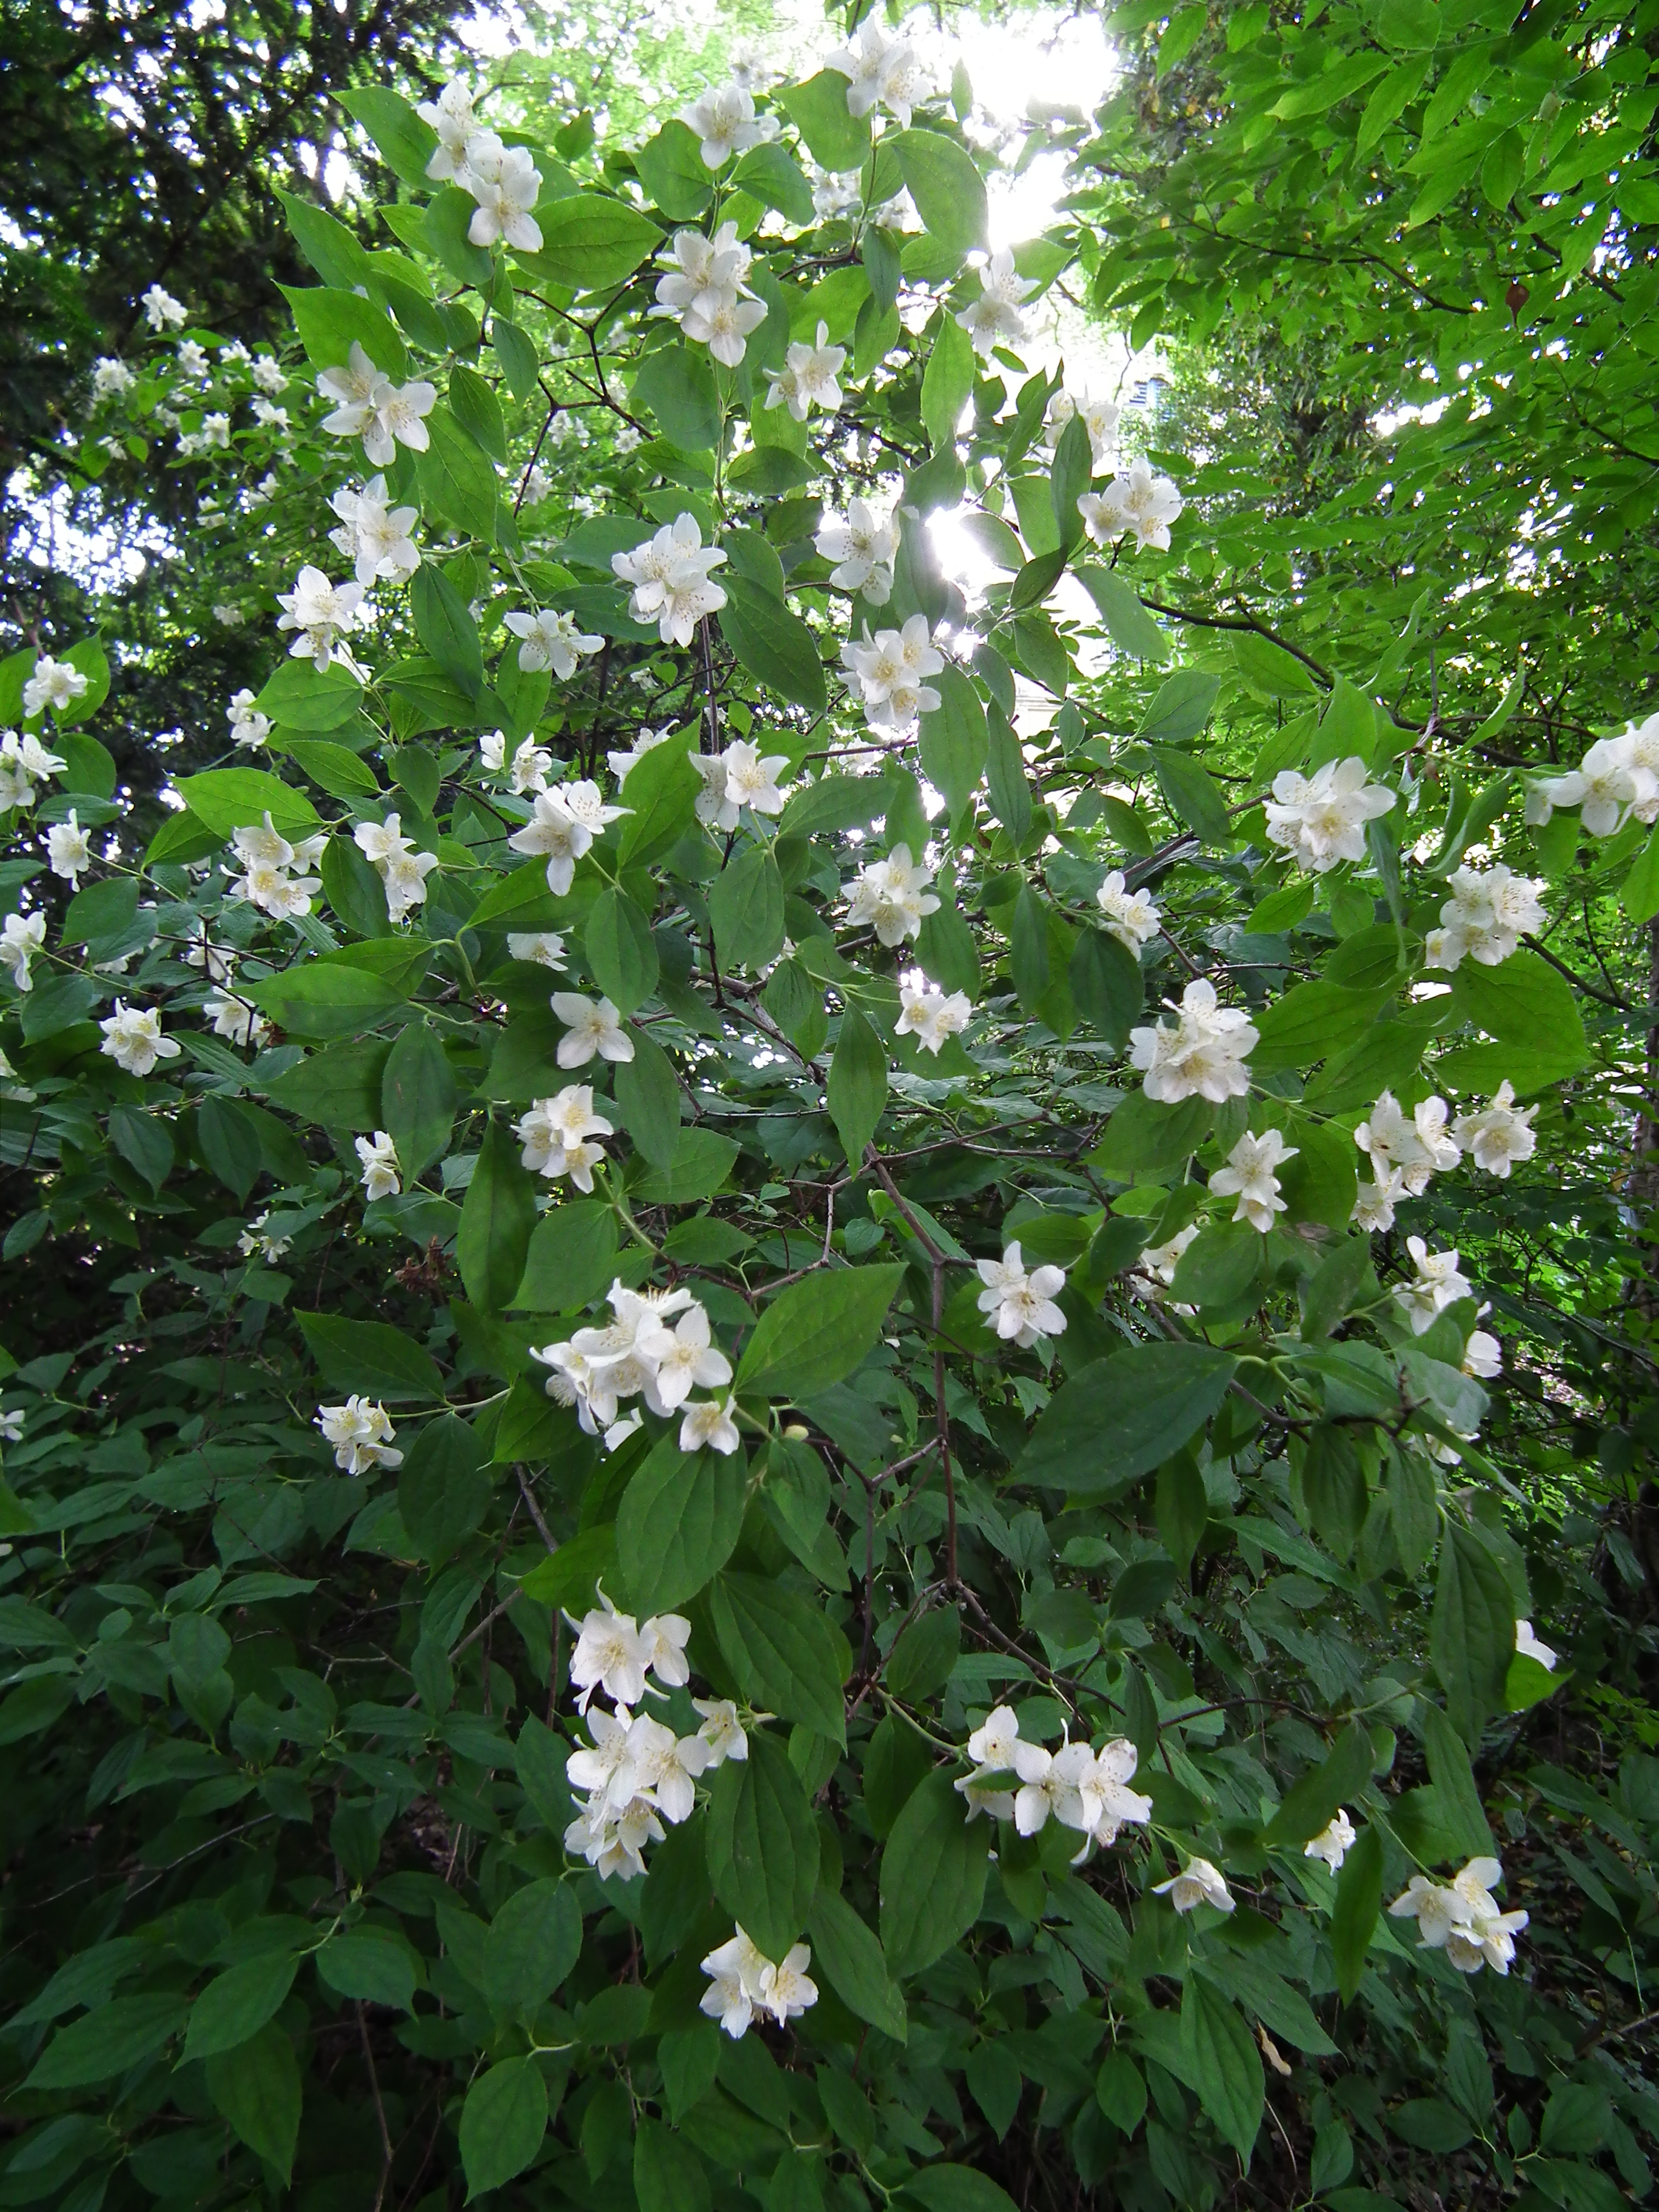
point(896, 1591)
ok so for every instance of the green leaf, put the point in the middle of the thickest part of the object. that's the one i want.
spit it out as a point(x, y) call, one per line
point(834, 802)
point(932, 1876)
point(117, 2036)
point(815, 1333)
point(668, 2175)
point(648, 1101)
point(331, 320)
point(1472, 1632)
point(497, 1216)
point(591, 241)
point(443, 1491)
point(1121, 1416)
point(1321, 1184)
point(836, 139)
point(773, 176)
point(417, 1099)
point(338, 1088)
point(847, 1955)
point(1107, 986)
point(1461, 1813)
point(534, 1941)
point(445, 626)
point(571, 1259)
point(256, 2089)
point(670, 168)
point(1266, 667)
point(956, 2188)
point(783, 1652)
point(773, 644)
point(621, 951)
point(237, 2004)
point(678, 1524)
point(703, 1160)
point(106, 909)
point(370, 1357)
point(374, 1968)
point(448, 218)
point(762, 1844)
point(569, 1578)
point(1337, 1780)
point(405, 143)
point(745, 905)
point(676, 384)
point(1314, 1021)
point(319, 1001)
point(456, 478)
point(229, 1140)
point(226, 799)
point(1359, 1899)
point(663, 794)
point(1639, 893)
point(503, 2122)
point(1190, 792)
point(298, 696)
point(948, 190)
point(476, 408)
point(333, 768)
point(1004, 775)
point(1068, 478)
point(858, 1085)
point(327, 245)
point(143, 1140)
point(1225, 2064)
point(1181, 709)
point(1532, 1012)
point(947, 382)
point(1128, 625)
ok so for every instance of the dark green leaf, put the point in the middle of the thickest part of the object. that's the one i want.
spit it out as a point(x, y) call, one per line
point(745, 903)
point(932, 1876)
point(1128, 625)
point(815, 1333)
point(1337, 1780)
point(1121, 1416)
point(370, 1357)
point(945, 185)
point(782, 1651)
point(256, 2088)
point(773, 644)
point(1226, 2067)
point(237, 2004)
point(502, 2124)
point(762, 1844)
point(858, 1085)
point(534, 1941)
point(443, 1489)
point(851, 1959)
point(417, 1098)
point(648, 1101)
point(1472, 1635)
point(497, 1216)
point(952, 740)
point(677, 384)
point(1004, 775)
point(678, 1524)
point(1461, 1813)
point(1107, 986)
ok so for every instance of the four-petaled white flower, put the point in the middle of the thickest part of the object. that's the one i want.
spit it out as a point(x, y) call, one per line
point(670, 574)
point(133, 1039)
point(809, 377)
point(1530, 1645)
point(1204, 1055)
point(111, 378)
point(892, 896)
point(1021, 1305)
point(622, 764)
point(24, 762)
point(685, 1359)
point(723, 121)
point(1617, 777)
point(1100, 419)
point(881, 71)
point(1438, 1284)
point(994, 319)
point(69, 849)
point(162, 311)
point(1198, 1883)
point(863, 548)
point(1251, 1176)
point(556, 1133)
point(249, 728)
point(891, 668)
point(1500, 1135)
point(21, 936)
point(54, 683)
point(1321, 817)
point(544, 947)
point(1131, 917)
point(1334, 1841)
point(708, 1424)
point(706, 295)
point(319, 612)
point(360, 1434)
point(1404, 1152)
point(1137, 499)
point(1462, 1918)
point(744, 1983)
point(592, 1025)
point(932, 1016)
point(721, 1730)
point(235, 1018)
point(561, 828)
point(550, 641)
point(378, 539)
point(401, 869)
point(1489, 912)
point(507, 184)
point(383, 1174)
point(530, 765)
point(451, 116)
point(1373, 1208)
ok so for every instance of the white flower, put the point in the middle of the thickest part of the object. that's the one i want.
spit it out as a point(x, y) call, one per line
point(379, 539)
point(809, 376)
point(609, 1656)
point(507, 184)
point(1333, 1842)
point(1051, 1783)
point(1198, 1883)
point(21, 937)
point(1136, 499)
point(1100, 418)
point(546, 947)
point(863, 548)
point(665, 1637)
point(994, 319)
point(721, 1730)
point(735, 1971)
point(613, 1840)
point(352, 388)
point(11, 1427)
point(1462, 1918)
point(451, 116)
point(319, 612)
point(530, 762)
point(133, 1039)
point(670, 574)
point(54, 683)
point(1501, 1135)
point(786, 1989)
point(1530, 1645)
point(930, 1016)
point(1131, 917)
point(360, 1434)
point(1607, 783)
point(162, 311)
point(622, 764)
point(1404, 1153)
point(723, 119)
point(1490, 911)
point(1118, 1805)
point(880, 70)
point(69, 849)
point(702, 270)
point(602, 1770)
point(249, 728)
point(555, 1134)
point(1204, 1055)
point(550, 641)
point(561, 828)
point(892, 895)
point(592, 1025)
point(991, 1745)
point(687, 1361)
point(272, 417)
point(1373, 1208)
point(215, 432)
point(723, 322)
point(1022, 1305)
point(1321, 818)
point(236, 1019)
point(111, 378)
point(751, 780)
point(382, 1175)
point(890, 668)
point(664, 1768)
point(1249, 1175)
point(266, 374)
point(1438, 1284)
point(397, 417)
point(255, 1238)
point(262, 845)
point(1482, 1355)
point(406, 882)
point(709, 1422)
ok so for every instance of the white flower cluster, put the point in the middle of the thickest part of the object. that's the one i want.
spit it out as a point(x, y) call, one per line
point(1203, 1056)
point(1617, 781)
point(383, 1174)
point(504, 180)
point(1320, 819)
point(1461, 1917)
point(69, 849)
point(930, 1015)
point(54, 683)
point(249, 728)
point(882, 72)
point(528, 770)
point(723, 121)
point(563, 826)
point(133, 1040)
point(1021, 1304)
point(1131, 916)
point(1333, 1842)
point(321, 613)
point(370, 406)
point(551, 640)
point(258, 1240)
point(162, 311)
point(24, 762)
point(745, 1983)
point(707, 294)
point(21, 936)
point(1137, 499)
point(671, 579)
point(274, 878)
point(1488, 914)
point(863, 548)
point(378, 539)
point(555, 1135)
point(1439, 1282)
point(994, 319)
point(891, 668)
point(237, 1020)
point(1100, 420)
point(809, 377)
point(1251, 1176)
point(361, 1433)
point(402, 870)
point(740, 776)
point(592, 1025)
point(1406, 1150)
point(1081, 1788)
point(638, 1355)
point(892, 896)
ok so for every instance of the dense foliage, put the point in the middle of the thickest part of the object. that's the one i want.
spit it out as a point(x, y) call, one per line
point(820, 1387)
